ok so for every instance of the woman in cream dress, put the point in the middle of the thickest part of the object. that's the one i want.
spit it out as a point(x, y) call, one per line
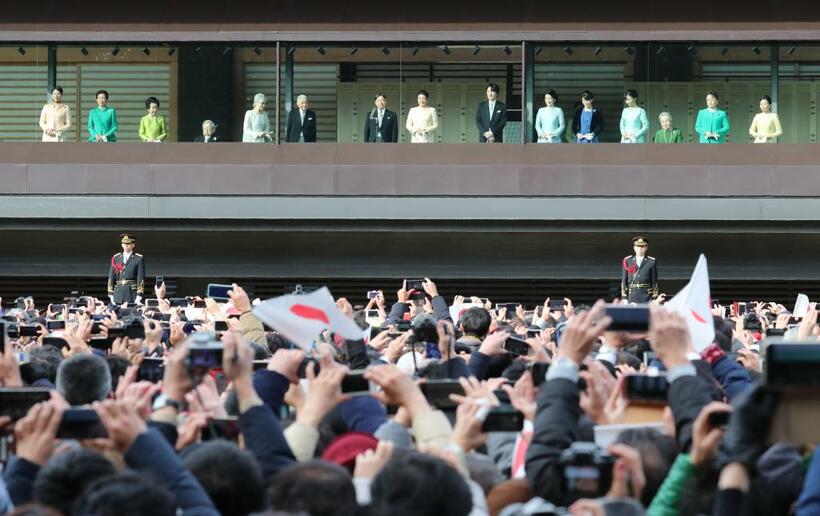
point(766, 125)
point(421, 120)
point(55, 118)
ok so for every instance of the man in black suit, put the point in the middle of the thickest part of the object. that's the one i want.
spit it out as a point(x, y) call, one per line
point(126, 276)
point(208, 136)
point(639, 275)
point(301, 123)
point(491, 117)
point(382, 125)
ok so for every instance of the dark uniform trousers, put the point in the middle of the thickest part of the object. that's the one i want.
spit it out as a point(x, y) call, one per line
point(126, 280)
point(639, 284)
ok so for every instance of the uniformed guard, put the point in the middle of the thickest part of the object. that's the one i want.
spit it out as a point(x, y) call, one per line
point(126, 278)
point(639, 277)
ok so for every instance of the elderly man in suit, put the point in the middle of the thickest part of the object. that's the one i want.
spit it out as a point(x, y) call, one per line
point(382, 125)
point(208, 136)
point(491, 117)
point(301, 123)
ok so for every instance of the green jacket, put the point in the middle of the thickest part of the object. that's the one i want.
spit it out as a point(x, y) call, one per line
point(667, 501)
point(672, 136)
point(712, 122)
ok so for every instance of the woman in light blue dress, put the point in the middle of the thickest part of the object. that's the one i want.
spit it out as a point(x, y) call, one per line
point(634, 122)
point(549, 122)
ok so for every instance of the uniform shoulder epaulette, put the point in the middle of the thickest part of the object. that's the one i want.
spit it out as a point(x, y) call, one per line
point(118, 254)
point(627, 257)
point(137, 254)
point(651, 257)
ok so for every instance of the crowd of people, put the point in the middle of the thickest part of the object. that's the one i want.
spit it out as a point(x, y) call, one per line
point(382, 125)
point(441, 408)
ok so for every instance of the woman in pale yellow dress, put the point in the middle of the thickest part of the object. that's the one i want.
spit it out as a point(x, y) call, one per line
point(766, 125)
point(422, 120)
point(55, 118)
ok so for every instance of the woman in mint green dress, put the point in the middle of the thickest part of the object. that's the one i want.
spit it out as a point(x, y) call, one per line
point(102, 121)
point(712, 124)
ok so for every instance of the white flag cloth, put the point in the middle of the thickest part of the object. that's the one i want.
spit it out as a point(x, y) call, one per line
point(801, 306)
point(301, 318)
point(694, 304)
point(457, 310)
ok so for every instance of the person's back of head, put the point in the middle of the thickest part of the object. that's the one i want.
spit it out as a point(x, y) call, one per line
point(626, 358)
point(125, 494)
point(66, 475)
point(83, 379)
point(417, 484)
point(46, 360)
point(658, 452)
point(476, 322)
point(230, 475)
point(315, 487)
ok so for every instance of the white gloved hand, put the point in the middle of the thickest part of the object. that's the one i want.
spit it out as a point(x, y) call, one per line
point(138, 299)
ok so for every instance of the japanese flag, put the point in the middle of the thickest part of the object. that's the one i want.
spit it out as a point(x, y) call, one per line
point(301, 318)
point(693, 303)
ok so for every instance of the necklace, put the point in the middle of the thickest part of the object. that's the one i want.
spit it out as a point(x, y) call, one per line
point(668, 136)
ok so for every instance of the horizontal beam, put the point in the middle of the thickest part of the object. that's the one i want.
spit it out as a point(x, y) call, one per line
point(26, 211)
point(364, 33)
point(457, 170)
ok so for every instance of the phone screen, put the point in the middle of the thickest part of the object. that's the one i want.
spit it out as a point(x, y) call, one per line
point(516, 346)
point(647, 388)
point(355, 383)
point(793, 364)
point(151, 370)
point(55, 325)
point(81, 424)
point(628, 318)
point(218, 292)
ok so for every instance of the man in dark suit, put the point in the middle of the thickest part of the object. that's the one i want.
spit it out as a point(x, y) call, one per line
point(208, 136)
point(491, 117)
point(382, 125)
point(301, 123)
point(639, 275)
point(126, 277)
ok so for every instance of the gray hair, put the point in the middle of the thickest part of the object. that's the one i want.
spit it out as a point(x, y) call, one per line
point(259, 98)
point(301, 97)
point(84, 379)
point(208, 123)
point(665, 114)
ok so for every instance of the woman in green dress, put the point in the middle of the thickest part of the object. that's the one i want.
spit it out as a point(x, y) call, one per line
point(667, 133)
point(102, 121)
point(712, 124)
point(152, 126)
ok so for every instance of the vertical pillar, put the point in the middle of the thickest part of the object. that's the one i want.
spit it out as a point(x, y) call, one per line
point(527, 87)
point(775, 74)
point(278, 91)
point(51, 79)
point(289, 77)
